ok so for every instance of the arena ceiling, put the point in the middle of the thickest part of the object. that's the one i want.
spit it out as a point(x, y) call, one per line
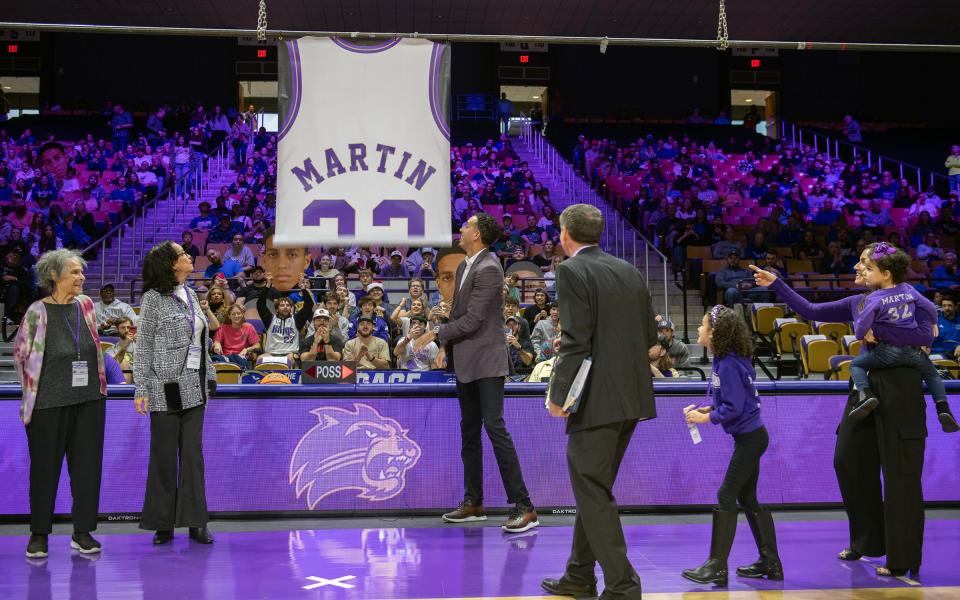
point(849, 21)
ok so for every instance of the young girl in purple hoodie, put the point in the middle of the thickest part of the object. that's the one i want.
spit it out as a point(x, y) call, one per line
point(896, 303)
point(736, 407)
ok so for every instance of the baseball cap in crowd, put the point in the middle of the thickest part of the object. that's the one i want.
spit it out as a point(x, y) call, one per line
point(363, 318)
point(396, 253)
point(321, 313)
point(734, 252)
point(507, 216)
point(665, 324)
point(428, 250)
point(375, 284)
point(513, 318)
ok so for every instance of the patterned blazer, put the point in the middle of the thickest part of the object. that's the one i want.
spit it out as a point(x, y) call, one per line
point(163, 340)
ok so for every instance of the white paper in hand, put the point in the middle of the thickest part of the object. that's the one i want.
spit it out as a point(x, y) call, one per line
point(572, 403)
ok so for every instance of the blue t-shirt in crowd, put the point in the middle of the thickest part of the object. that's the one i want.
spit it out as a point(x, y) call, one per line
point(229, 268)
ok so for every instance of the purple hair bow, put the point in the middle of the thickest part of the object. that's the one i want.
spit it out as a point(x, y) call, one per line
point(883, 249)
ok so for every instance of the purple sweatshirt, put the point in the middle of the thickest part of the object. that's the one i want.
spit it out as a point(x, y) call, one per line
point(897, 307)
point(736, 403)
point(848, 309)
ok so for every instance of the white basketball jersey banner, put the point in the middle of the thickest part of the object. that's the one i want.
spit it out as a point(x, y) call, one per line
point(364, 150)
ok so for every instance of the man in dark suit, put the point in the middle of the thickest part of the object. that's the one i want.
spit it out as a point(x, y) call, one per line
point(476, 348)
point(605, 309)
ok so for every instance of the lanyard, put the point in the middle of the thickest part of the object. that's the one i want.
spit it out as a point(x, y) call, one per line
point(75, 334)
point(192, 319)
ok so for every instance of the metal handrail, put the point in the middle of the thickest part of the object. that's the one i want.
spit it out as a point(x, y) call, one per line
point(796, 137)
point(138, 220)
point(615, 239)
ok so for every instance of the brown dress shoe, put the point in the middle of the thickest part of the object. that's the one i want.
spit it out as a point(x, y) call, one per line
point(466, 512)
point(521, 519)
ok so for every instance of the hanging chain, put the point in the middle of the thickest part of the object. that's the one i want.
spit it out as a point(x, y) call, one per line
point(262, 21)
point(723, 38)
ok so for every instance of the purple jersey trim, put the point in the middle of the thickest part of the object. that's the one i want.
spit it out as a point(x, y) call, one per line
point(365, 48)
point(297, 84)
point(436, 59)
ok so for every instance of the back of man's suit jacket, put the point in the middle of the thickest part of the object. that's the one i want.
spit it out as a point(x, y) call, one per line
point(605, 313)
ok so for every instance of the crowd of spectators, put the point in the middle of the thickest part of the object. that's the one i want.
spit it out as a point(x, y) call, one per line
point(762, 201)
point(57, 193)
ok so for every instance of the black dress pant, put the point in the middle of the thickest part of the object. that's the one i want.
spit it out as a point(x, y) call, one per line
point(481, 407)
point(743, 472)
point(77, 432)
point(176, 494)
point(885, 518)
point(593, 460)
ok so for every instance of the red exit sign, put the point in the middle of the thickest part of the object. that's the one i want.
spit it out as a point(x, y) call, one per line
point(13, 48)
point(261, 53)
point(755, 63)
point(524, 58)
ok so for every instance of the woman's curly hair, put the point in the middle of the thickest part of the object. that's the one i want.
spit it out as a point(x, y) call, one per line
point(729, 333)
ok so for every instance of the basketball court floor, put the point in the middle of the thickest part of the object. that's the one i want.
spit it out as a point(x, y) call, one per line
point(415, 559)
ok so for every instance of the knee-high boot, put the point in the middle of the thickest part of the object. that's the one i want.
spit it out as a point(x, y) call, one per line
point(765, 534)
point(721, 540)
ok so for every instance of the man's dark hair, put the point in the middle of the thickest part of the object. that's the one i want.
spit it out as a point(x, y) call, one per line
point(51, 146)
point(158, 268)
point(511, 301)
point(331, 296)
point(553, 305)
point(488, 227)
point(584, 223)
point(122, 320)
point(269, 233)
point(948, 298)
point(109, 286)
point(366, 300)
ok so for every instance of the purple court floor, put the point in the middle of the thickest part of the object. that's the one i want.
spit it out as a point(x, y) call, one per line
point(454, 562)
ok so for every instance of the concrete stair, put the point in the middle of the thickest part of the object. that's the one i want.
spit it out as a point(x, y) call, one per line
point(121, 263)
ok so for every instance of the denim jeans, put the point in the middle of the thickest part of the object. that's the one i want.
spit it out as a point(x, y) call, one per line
point(732, 296)
point(884, 356)
point(182, 171)
point(231, 358)
point(955, 183)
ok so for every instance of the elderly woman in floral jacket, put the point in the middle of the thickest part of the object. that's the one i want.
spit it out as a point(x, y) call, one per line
point(58, 358)
point(175, 378)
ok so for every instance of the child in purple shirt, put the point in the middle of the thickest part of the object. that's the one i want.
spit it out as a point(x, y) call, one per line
point(736, 407)
point(897, 305)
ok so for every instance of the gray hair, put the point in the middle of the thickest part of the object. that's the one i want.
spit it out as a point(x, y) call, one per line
point(584, 223)
point(52, 264)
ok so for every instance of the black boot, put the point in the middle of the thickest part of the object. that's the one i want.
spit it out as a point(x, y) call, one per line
point(201, 535)
point(721, 539)
point(947, 421)
point(868, 402)
point(765, 534)
point(162, 537)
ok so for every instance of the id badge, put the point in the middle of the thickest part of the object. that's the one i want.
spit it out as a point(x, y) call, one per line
point(80, 373)
point(193, 357)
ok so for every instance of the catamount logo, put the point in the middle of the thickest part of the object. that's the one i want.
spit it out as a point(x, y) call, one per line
point(358, 450)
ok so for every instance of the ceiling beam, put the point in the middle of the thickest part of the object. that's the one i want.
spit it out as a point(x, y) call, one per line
point(586, 41)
